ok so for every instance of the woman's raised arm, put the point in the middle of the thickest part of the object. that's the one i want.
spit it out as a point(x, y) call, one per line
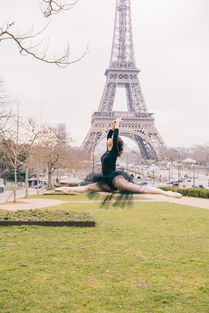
point(115, 134)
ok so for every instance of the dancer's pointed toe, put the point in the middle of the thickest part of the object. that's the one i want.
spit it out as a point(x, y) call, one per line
point(48, 192)
point(62, 190)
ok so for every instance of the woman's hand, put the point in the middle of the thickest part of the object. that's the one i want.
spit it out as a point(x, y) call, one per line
point(119, 119)
point(113, 125)
point(117, 122)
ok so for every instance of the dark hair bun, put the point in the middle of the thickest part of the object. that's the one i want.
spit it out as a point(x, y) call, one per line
point(120, 146)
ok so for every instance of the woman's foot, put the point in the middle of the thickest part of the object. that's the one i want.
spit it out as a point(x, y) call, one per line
point(47, 192)
point(172, 194)
point(51, 192)
point(64, 190)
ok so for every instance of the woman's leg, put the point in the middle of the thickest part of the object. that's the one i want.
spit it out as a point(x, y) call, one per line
point(123, 185)
point(86, 188)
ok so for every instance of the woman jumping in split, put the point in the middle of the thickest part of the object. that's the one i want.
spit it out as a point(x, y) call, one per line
point(111, 180)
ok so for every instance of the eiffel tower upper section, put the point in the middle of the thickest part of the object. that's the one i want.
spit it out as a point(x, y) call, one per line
point(122, 69)
point(122, 49)
point(137, 123)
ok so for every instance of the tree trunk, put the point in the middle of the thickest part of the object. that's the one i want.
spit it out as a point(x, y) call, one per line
point(37, 178)
point(50, 172)
point(15, 183)
point(26, 181)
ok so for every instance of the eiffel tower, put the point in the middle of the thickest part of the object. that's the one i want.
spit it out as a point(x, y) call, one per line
point(137, 123)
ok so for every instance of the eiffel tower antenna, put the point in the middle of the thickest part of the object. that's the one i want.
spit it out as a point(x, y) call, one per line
point(137, 123)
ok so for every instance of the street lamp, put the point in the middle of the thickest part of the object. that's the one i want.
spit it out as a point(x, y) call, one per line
point(169, 172)
point(179, 166)
point(193, 163)
point(179, 173)
point(93, 165)
point(194, 170)
point(153, 178)
point(93, 152)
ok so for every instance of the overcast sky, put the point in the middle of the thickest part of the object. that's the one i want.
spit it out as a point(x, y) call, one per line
point(171, 40)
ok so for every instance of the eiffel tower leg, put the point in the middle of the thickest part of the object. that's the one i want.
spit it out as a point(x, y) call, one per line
point(146, 149)
point(108, 97)
point(138, 98)
point(130, 104)
point(141, 148)
point(91, 140)
point(106, 105)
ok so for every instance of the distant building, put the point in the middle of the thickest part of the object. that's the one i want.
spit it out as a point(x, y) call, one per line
point(61, 129)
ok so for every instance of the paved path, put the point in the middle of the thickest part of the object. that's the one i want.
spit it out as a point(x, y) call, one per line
point(27, 204)
point(7, 195)
point(195, 202)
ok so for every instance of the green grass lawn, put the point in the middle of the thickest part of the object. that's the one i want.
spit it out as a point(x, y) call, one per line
point(152, 258)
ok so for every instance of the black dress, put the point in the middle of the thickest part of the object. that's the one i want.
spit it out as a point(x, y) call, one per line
point(108, 161)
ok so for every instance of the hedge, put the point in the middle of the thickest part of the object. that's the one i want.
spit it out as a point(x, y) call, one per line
point(190, 192)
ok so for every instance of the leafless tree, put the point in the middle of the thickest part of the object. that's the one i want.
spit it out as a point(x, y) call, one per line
point(77, 162)
point(5, 112)
point(171, 154)
point(33, 134)
point(16, 146)
point(197, 153)
point(39, 50)
point(37, 162)
point(201, 154)
point(52, 151)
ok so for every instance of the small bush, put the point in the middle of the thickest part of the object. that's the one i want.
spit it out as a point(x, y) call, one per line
point(190, 192)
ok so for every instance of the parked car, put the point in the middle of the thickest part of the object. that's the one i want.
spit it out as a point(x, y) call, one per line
point(174, 183)
point(40, 186)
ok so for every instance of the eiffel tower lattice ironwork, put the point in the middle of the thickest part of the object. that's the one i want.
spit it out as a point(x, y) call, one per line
point(137, 123)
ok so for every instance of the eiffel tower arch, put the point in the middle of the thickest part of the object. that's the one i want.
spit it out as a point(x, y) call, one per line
point(138, 123)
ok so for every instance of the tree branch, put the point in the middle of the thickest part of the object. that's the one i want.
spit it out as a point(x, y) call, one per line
point(24, 49)
point(51, 7)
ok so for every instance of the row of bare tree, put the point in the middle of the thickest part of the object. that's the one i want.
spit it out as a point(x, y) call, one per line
point(199, 153)
point(26, 145)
